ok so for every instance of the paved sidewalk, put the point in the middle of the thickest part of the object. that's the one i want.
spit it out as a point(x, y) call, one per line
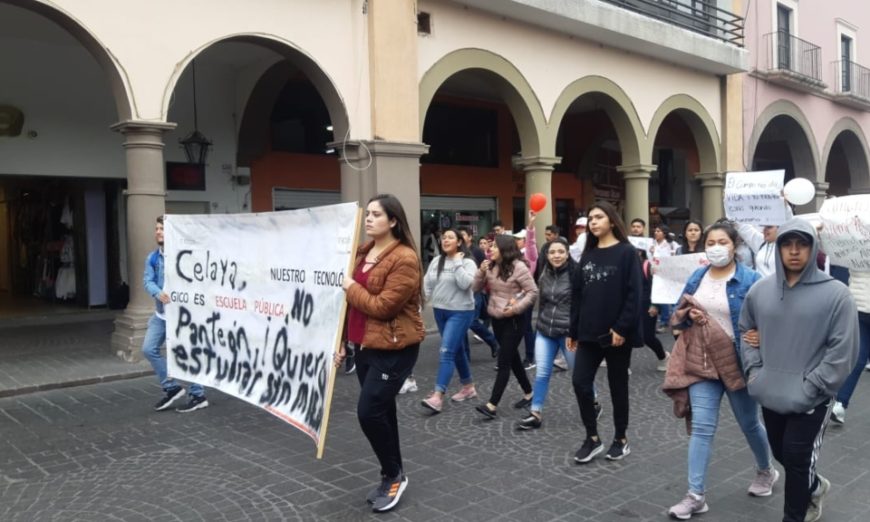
point(99, 452)
point(44, 354)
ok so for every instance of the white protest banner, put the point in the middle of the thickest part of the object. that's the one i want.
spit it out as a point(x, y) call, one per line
point(755, 198)
point(845, 232)
point(257, 307)
point(671, 274)
point(643, 243)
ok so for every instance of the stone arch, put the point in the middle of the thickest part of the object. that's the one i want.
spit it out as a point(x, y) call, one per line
point(617, 105)
point(805, 155)
point(119, 83)
point(857, 152)
point(700, 123)
point(301, 60)
point(507, 81)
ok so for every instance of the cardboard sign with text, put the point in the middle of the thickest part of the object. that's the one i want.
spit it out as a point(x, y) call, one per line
point(257, 306)
point(671, 274)
point(845, 232)
point(755, 198)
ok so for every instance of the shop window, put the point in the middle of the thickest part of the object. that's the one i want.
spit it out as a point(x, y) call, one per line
point(461, 136)
point(300, 121)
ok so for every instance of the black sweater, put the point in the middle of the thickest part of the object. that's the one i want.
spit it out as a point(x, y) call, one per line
point(607, 293)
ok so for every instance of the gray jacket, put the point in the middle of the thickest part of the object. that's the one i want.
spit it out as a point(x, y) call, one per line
point(554, 300)
point(808, 333)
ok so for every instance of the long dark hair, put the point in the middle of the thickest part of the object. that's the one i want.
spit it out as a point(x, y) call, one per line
point(402, 231)
point(570, 263)
point(618, 226)
point(460, 247)
point(508, 253)
point(699, 246)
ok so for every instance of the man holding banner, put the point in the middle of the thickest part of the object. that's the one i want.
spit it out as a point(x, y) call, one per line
point(156, 333)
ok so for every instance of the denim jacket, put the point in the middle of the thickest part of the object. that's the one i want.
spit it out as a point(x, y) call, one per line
point(737, 287)
point(154, 277)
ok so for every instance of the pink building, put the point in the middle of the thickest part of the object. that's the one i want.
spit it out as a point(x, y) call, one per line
point(807, 95)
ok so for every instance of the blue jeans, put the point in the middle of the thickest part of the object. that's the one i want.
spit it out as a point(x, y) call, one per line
point(848, 388)
point(155, 336)
point(706, 397)
point(477, 326)
point(453, 326)
point(546, 349)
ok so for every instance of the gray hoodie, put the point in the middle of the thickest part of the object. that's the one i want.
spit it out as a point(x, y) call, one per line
point(808, 334)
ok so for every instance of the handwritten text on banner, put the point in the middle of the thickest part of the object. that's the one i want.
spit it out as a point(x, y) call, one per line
point(755, 197)
point(256, 302)
point(846, 231)
point(671, 274)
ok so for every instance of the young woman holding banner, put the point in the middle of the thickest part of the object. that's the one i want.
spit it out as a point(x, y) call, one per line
point(385, 326)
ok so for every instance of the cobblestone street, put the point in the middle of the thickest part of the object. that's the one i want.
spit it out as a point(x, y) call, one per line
point(98, 452)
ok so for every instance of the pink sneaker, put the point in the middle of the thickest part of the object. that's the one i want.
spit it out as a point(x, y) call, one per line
point(467, 392)
point(433, 402)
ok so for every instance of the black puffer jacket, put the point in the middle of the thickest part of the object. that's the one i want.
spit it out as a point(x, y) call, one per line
point(554, 299)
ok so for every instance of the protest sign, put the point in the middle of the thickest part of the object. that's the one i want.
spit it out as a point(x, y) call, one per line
point(845, 232)
point(257, 307)
point(643, 243)
point(755, 198)
point(671, 274)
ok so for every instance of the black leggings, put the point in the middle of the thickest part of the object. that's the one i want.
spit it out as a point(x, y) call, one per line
point(509, 331)
point(381, 374)
point(587, 361)
point(649, 336)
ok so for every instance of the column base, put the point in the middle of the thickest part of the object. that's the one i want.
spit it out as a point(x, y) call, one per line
point(129, 334)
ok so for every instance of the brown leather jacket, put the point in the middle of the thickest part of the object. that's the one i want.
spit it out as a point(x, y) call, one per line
point(392, 301)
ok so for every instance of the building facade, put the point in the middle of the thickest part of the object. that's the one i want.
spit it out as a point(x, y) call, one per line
point(807, 96)
point(463, 108)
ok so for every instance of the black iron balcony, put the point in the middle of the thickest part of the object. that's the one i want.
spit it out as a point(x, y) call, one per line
point(853, 84)
point(700, 16)
point(793, 62)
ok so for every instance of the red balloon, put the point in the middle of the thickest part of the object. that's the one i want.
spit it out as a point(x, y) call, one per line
point(537, 202)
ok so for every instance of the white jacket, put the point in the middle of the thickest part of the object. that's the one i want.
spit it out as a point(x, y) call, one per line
point(859, 284)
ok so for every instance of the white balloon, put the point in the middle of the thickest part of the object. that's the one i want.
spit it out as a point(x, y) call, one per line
point(799, 191)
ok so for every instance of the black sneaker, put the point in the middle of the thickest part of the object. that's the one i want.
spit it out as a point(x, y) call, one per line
point(195, 403)
point(531, 422)
point(389, 495)
point(588, 450)
point(529, 365)
point(597, 410)
point(618, 450)
point(171, 396)
point(494, 351)
point(349, 365)
point(484, 410)
point(523, 403)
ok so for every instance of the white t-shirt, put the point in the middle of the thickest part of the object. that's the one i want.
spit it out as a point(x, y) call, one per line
point(713, 296)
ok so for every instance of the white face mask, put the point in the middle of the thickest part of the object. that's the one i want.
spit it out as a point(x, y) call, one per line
point(718, 255)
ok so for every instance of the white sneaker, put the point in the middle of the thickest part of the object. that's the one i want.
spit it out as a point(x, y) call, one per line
point(838, 413)
point(867, 368)
point(477, 339)
point(662, 365)
point(409, 386)
point(691, 504)
point(559, 363)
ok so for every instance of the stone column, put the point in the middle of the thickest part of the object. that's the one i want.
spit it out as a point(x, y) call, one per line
point(539, 178)
point(636, 191)
point(712, 196)
point(146, 196)
point(369, 168)
point(821, 196)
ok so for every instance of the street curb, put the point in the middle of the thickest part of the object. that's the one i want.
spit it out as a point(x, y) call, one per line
point(25, 390)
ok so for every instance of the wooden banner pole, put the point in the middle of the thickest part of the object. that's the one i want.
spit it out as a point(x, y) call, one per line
point(330, 386)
